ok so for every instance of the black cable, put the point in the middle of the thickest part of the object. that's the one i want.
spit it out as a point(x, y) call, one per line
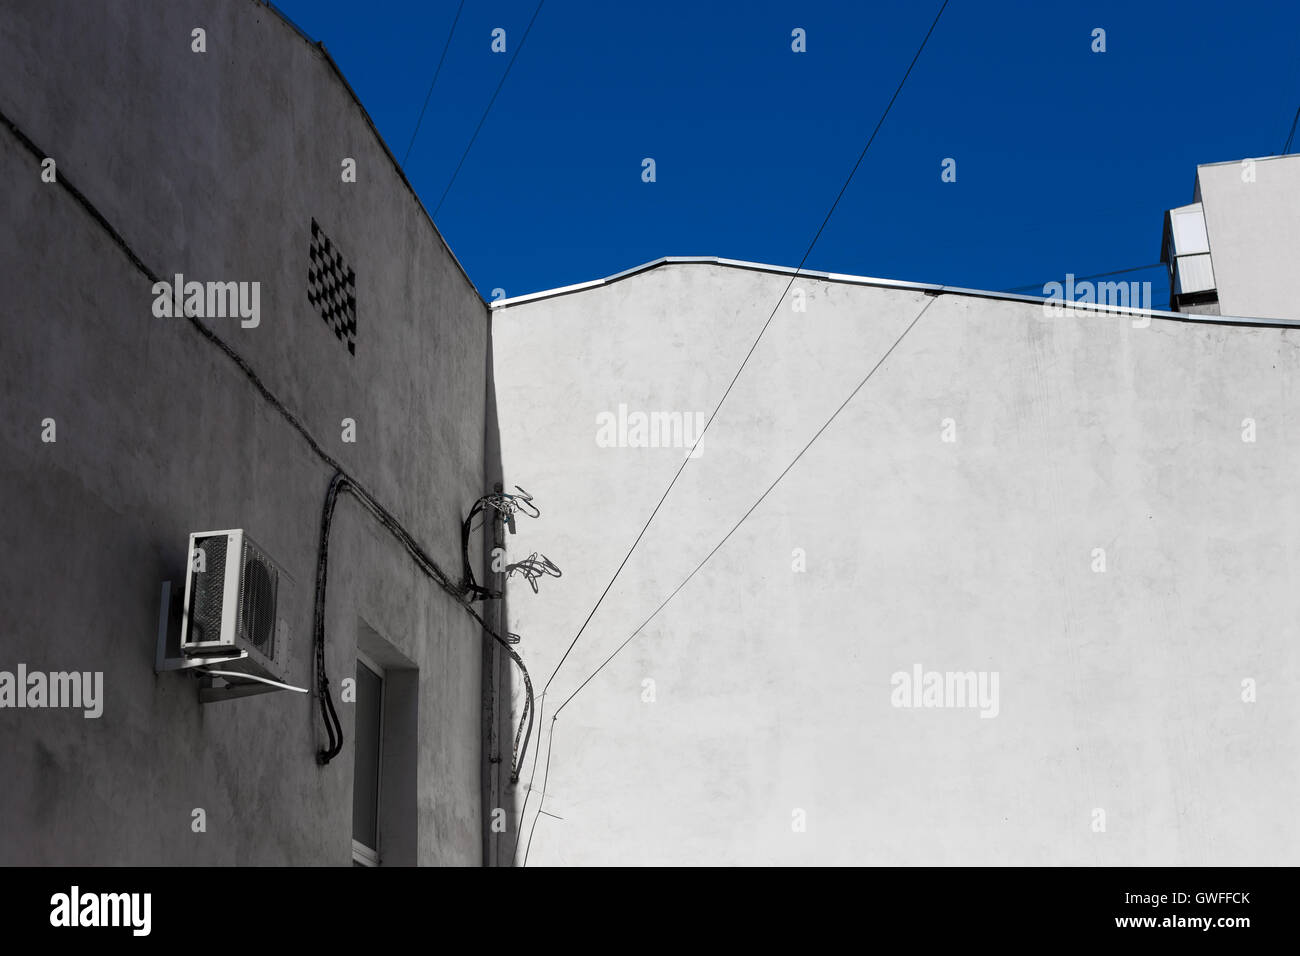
point(292, 420)
point(433, 83)
point(523, 809)
point(1095, 275)
point(339, 484)
point(687, 458)
point(482, 118)
point(755, 505)
point(508, 505)
point(468, 582)
point(546, 777)
point(752, 347)
point(333, 727)
point(534, 567)
point(707, 558)
point(330, 714)
point(1287, 148)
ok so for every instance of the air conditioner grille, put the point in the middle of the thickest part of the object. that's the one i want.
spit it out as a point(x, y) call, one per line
point(209, 585)
point(257, 592)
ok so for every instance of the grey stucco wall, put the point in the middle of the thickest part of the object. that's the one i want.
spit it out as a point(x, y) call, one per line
point(1118, 690)
point(213, 165)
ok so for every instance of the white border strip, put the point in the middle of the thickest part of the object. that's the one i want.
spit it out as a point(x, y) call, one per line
point(890, 284)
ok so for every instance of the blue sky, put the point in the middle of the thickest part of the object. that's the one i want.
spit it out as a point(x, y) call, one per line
point(1066, 158)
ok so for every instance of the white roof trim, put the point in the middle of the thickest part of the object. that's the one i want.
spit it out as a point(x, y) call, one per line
point(883, 284)
point(1258, 159)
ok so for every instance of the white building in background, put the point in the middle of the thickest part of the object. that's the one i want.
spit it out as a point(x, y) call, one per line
point(1235, 249)
point(1030, 598)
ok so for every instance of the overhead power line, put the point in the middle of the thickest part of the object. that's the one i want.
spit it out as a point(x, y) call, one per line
point(716, 548)
point(861, 156)
point(1286, 148)
point(754, 345)
point(1095, 275)
point(514, 56)
point(441, 59)
point(857, 388)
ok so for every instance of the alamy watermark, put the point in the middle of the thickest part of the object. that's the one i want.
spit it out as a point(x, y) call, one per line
point(1069, 297)
point(946, 689)
point(36, 689)
point(624, 429)
point(209, 300)
point(75, 909)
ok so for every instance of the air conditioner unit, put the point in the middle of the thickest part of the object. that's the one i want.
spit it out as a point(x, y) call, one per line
point(231, 593)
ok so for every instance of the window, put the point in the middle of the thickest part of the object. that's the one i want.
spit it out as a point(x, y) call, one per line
point(368, 747)
point(1187, 251)
point(385, 750)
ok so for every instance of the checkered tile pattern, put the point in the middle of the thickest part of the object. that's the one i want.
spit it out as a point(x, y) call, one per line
point(332, 288)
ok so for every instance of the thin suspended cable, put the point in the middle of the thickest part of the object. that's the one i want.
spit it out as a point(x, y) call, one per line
point(546, 776)
point(1287, 147)
point(754, 506)
point(1095, 275)
point(687, 458)
point(483, 118)
point(523, 810)
point(861, 156)
point(441, 59)
point(551, 736)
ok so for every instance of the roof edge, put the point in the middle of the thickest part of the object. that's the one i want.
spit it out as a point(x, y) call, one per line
point(319, 47)
point(884, 284)
point(1257, 159)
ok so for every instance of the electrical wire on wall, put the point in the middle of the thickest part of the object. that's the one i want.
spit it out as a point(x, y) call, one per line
point(932, 297)
point(534, 567)
point(507, 505)
point(339, 484)
point(717, 408)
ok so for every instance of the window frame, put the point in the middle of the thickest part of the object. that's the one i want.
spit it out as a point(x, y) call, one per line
point(363, 855)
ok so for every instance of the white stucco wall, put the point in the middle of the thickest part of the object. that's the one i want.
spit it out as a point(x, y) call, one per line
point(1119, 691)
point(1252, 216)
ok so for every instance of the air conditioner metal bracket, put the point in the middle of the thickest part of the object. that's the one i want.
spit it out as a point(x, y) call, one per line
point(168, 657)
point(238, 685)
